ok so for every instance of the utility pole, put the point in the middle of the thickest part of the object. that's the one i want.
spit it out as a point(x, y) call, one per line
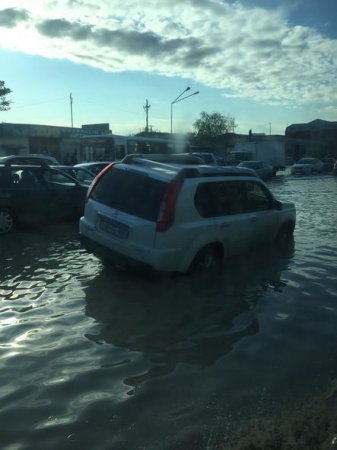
point(71, 110)
point(146, 109)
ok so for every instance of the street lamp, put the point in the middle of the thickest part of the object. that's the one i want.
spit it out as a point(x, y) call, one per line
point(180, 98)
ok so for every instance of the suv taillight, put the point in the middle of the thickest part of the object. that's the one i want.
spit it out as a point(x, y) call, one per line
point(97, 178)
point(166, 210)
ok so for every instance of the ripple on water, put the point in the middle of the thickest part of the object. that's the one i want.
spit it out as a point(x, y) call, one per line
point(93, 358)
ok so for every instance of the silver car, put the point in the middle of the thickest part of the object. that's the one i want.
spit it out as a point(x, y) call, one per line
point(262, 169)
point(307, 166)
point(180, 217)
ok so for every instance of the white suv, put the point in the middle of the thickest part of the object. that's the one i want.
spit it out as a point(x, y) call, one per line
point(179, 215)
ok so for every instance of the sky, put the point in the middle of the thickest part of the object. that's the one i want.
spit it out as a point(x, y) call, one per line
point(266, 63)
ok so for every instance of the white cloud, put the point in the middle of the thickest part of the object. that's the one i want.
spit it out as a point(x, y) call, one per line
point(249, 53)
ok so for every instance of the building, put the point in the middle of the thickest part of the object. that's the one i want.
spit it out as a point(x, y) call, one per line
point(61, 142)
point(317, 138)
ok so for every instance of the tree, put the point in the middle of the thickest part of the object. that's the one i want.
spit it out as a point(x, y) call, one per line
point(212, 125)
point(4, 103)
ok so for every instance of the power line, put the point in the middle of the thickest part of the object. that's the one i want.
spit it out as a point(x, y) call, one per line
point(28, 105)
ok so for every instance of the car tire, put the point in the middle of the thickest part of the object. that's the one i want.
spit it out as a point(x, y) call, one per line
point(7, 220)
point(207, 259)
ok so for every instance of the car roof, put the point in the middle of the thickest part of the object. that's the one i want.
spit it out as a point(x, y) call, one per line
point(26, 167)
point(29, 155)
point(42, 160)
point(166, 158)
point(170, 166)
point(67, 166)
point(202, 153)
point(18, 166)
point(92, 163)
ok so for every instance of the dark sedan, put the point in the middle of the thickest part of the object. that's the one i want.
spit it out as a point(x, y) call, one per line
point(36, 195)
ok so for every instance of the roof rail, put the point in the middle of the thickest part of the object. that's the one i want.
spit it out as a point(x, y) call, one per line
point(194, 169)
point(173, 158)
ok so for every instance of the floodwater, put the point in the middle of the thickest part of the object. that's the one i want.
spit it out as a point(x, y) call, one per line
point(97, 358)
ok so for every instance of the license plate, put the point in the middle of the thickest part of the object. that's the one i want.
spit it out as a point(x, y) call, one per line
point(117, 229)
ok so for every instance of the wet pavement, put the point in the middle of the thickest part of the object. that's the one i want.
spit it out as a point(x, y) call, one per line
point(95, 357)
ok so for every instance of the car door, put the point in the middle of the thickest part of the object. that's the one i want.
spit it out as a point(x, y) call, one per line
point(29, 198)
point(66, 196)
point(262, 216)
point(229, 217)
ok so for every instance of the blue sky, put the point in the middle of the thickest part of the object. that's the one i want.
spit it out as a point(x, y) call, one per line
point(267, 63)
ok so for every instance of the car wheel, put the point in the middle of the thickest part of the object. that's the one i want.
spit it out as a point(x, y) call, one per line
point(206, 259)
point(7, 221)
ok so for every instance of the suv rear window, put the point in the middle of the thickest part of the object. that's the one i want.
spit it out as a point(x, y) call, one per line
point(131, 192)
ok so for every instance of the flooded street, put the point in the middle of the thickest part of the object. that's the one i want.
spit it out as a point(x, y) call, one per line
point(98, 358)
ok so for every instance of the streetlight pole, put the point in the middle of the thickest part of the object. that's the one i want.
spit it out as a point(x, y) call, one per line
point(71, 110)
point(179, 99)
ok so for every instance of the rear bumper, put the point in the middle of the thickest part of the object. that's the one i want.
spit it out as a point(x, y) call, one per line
point(126, 254)
point(106, 254)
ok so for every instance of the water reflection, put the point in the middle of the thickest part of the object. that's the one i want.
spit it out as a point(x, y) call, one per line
point(28, 251)
point(193, 320)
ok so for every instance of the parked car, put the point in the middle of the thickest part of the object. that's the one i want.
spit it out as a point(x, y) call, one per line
point(179, 217)
point(29, 159)
point(94, 166)
point(328, 164)
point(307, 166)
point(35, 195)
point(207, 157)
point(221, 160)
point(81, 174)
point(262, 169)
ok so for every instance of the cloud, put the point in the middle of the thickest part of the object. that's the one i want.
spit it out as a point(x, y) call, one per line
point(128, 41)
point(59, 28)
point(246, 52)
point(10, 17)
